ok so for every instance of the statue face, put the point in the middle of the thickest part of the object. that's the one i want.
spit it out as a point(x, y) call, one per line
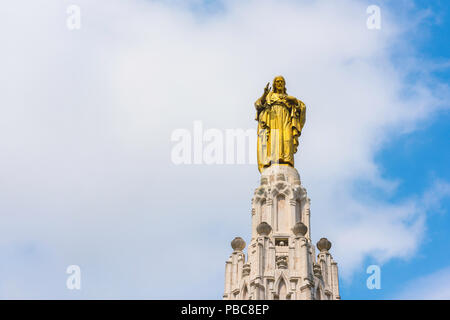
point(278, 83)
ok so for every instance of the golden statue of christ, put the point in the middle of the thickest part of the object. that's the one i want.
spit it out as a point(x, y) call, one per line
point(280, 121)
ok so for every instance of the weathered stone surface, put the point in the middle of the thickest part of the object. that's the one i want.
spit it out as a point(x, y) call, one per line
point(282, 264)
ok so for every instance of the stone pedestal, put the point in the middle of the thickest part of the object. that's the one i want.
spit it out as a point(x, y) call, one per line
point(281, 261)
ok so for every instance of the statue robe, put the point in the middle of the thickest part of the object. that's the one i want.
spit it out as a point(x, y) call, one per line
point(279, 127)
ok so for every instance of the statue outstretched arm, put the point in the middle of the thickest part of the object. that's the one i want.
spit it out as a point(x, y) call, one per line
point(260, 104)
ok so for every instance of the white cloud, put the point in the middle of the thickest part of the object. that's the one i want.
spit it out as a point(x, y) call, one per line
point(85, 129)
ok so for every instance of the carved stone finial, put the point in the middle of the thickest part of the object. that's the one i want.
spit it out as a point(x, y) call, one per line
point(264, 229)
point(300, 229)
point(324, 244)
point(238, 244)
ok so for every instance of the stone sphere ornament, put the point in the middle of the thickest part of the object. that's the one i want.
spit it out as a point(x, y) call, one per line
point(323, 244)
point(238, 244)
point(263, 229)
point(300, 229)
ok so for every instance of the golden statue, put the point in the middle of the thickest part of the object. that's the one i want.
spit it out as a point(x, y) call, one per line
point(280, 121)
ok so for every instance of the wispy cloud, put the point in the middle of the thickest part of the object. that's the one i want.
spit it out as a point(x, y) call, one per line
point(434, 286)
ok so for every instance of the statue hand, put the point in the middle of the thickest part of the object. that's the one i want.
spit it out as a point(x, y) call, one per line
point(291, 99)
point(267, 88)
point(266, 92)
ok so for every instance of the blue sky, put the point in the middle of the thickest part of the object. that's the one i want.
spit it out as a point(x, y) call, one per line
point(86, 122)
point(417, 159)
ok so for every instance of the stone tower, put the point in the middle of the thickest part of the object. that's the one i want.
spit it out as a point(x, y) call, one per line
point(281, 260)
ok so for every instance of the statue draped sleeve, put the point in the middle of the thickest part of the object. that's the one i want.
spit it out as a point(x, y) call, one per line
point(259, 107)
point(298, 117)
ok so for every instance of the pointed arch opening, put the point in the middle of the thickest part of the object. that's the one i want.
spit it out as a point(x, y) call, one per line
point(263, 212)
point(282, 290)
point(282, 221)
point(318, 295)
point(245, 293)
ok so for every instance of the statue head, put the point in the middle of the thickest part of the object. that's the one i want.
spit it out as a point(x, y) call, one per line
point(279, 85)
